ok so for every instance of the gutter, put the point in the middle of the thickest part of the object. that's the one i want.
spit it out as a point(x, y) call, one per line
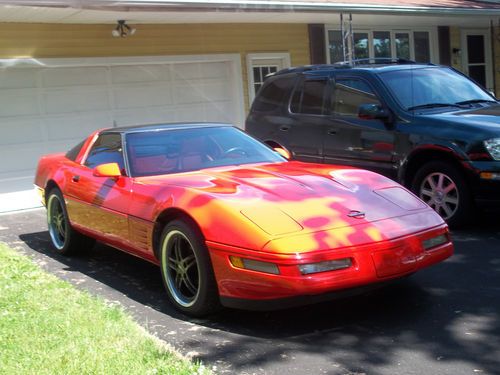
point(253, 6)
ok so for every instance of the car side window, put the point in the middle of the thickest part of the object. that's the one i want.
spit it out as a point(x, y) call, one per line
point(106, 149)
point(310, 97)
point(272, 94)
point(349, 94)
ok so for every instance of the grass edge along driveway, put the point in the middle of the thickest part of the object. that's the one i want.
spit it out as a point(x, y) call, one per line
point(49, 327)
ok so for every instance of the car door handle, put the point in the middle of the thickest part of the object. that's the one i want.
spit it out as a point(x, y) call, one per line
point(284, 128)
point(332, 132)
point(75, 178)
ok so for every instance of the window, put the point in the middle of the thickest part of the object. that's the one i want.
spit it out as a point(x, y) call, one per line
point(260, 73)
point(382, 44)
point(273, 94)
point(310, 97)
point(106, 149)
point(183, 150)
point(349, 94)
point(403, 44)
point(73, 153)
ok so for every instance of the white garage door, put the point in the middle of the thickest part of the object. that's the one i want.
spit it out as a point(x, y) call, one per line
point(50, 105)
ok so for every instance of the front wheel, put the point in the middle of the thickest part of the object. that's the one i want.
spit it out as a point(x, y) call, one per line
point(64, 238)
point(442, 186)
point(187, 271)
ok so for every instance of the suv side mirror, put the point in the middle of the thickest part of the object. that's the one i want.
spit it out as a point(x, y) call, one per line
point(372, 112)
point(111, 170)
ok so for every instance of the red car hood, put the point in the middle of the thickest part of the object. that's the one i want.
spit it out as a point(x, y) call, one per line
point(291, 197)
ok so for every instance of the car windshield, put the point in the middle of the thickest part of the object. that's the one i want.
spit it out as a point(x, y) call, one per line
point(432, 87)
point(182, 150)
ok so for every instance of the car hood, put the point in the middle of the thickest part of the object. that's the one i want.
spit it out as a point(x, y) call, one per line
point(289, 197)
point(485, 118)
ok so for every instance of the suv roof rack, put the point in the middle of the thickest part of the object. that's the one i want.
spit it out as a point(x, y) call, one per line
point(375, 61)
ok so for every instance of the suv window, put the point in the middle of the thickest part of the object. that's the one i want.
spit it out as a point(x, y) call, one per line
point(272, 95)
point(349, 94)
point(309, 97)
point(106, 149)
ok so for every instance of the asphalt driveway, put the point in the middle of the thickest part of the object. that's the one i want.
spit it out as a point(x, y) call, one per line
point(443, 320)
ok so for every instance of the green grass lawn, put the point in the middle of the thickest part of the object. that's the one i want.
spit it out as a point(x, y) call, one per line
point(49, 327)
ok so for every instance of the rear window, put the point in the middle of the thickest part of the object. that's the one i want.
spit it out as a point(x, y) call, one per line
point(73, 153)
point(271, 95)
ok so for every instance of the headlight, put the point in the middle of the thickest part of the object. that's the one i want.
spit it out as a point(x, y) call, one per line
point(493, 147)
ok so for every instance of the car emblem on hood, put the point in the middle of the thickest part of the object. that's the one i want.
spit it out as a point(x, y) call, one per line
point(356, 214)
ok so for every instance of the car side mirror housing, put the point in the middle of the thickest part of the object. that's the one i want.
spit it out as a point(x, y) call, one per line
point(283, 152)
point(373, 112)
point(111, 170)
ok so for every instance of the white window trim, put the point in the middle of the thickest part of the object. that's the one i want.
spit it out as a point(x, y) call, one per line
point(253, 58)
point(433, 45)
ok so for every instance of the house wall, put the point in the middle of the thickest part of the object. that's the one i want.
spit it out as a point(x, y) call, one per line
point(82, 40)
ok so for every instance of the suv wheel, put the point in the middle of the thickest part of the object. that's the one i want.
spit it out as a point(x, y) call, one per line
point(442, 186)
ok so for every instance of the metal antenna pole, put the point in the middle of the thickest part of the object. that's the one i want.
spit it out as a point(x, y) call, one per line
point(347, 38)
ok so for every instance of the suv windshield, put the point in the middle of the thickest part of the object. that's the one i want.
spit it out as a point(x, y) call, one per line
point(432, 87)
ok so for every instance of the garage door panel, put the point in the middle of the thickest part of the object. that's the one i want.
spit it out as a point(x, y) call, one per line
point(21, 102)
point(142, 96)
point(69, 101)
point(77, 76)
point(145, 116)
point(219, 111)
point(23, 157)
point(76, 126)
point(140, 73)
point(17, 79)
point(214, 70)
point(218, 91)
point(19, 131)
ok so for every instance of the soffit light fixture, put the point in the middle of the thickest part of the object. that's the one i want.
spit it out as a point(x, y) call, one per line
point(122, 30)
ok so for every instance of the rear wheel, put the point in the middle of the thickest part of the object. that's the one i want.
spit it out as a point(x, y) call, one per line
point(64, 238)
point(187, 271)
point(442, 186)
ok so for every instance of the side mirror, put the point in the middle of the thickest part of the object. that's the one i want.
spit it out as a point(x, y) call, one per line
point(283, 152)
point(372, 112)
point(111, 170)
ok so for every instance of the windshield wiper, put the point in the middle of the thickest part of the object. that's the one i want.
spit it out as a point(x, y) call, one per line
point(473, 101)
point(434, 105)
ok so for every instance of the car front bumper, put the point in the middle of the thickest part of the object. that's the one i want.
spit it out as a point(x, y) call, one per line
point(484, 180)
point(372, 264)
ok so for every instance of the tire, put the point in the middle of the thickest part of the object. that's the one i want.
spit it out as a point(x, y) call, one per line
point(187, 271)
point(64, 238)
point(443, 187)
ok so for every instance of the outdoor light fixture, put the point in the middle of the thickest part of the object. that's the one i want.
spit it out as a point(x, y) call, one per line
point(122, 30)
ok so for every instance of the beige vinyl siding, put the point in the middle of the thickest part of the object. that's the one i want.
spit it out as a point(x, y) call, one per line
point(82, 40)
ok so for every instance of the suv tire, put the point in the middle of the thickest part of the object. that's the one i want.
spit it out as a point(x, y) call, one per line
point(443, 187)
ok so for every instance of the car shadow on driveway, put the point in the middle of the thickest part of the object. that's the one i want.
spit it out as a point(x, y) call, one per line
point(447, 315)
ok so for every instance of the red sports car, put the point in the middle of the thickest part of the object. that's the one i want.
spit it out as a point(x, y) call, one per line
point(233, 222)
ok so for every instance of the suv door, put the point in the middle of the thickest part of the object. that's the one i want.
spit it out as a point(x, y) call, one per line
point(351, 140)
point(308, 113)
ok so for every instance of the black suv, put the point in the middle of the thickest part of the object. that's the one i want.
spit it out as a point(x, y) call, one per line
point(427, 126)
